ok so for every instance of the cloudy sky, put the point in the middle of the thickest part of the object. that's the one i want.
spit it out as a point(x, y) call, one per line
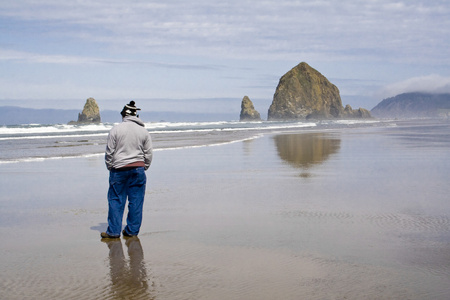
point(204, 49)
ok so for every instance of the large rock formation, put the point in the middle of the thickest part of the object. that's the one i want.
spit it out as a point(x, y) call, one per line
point(248, 111)
point(304, 93)
point(90, 113)
point(414, 105)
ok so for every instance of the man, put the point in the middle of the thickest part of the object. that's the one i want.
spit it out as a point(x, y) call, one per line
point(128, 155)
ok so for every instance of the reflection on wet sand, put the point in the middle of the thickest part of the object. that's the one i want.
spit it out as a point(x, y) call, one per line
point(128, 281)
point(305, 150)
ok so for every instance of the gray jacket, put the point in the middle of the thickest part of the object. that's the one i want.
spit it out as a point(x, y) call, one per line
point(128, 142)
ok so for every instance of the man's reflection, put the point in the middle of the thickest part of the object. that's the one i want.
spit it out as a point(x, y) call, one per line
point(129, 278)
point(306, 149)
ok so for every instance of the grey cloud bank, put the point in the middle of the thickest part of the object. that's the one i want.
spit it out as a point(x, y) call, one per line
point(204, 49)
point(431, 83)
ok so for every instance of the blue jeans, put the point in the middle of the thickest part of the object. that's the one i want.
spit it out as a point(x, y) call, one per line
point(122, 184)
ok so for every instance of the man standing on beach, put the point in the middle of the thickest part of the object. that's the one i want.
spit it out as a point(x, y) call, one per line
point(128, 155)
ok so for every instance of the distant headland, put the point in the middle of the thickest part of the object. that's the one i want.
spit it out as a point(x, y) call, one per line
point(414, 105)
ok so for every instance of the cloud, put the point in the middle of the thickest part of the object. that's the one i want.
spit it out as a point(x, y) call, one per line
point(218, 48)
point(270, 29)
point(26, 57)
point(428, 84)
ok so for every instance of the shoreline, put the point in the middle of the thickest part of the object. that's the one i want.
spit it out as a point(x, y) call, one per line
point(353, 213)
point(42, 144)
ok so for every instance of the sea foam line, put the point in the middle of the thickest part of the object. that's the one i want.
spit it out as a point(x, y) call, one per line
point(160, 130)
point(40, 129)
point(211, 145)
point(51, 136)
point(297, 125)
point(40, 159)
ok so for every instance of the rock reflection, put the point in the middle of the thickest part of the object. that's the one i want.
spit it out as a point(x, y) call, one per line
point(128, 278)
point(307, 149)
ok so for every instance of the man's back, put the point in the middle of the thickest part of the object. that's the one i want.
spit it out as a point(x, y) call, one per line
point(128, 142)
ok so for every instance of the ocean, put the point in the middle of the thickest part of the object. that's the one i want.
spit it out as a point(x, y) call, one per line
point(341, 209)
point(35, 142)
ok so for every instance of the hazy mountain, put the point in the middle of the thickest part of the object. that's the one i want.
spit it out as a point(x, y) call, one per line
point(414, 105)
point(11, 115)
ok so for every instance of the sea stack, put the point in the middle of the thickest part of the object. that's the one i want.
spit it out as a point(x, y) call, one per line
point(248, 111)
point(90, 113)
point(360, 113)
point(304, 93)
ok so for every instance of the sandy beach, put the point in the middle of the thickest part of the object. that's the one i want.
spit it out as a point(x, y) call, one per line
point(354, 213)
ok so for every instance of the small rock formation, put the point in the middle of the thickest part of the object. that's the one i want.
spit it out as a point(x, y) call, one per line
point(360, 113)
point(304, 93)
point(90, 113)
point(248, 111)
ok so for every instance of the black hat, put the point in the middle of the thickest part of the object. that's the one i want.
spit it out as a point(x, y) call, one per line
point(129, 109)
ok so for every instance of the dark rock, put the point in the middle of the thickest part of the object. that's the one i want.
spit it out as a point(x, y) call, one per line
point(90, 113)
point(304, 93)
point(248, 111)
point(360, 113)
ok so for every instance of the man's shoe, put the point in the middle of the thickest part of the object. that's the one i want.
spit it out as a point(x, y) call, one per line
point(125, 234)
point(104, 235)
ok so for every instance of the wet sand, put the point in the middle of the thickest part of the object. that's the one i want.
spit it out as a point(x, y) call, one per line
point(359, 213)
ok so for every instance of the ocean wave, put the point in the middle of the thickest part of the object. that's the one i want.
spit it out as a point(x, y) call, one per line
point(51, 136)
point(38, 159)
point(67, 131)
point(151, 125)
point(35, 142)
point(33, 129)
point(356, 121)
point(211, 144)
point(164, 148)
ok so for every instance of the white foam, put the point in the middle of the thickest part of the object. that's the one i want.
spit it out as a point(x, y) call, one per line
point(355, 121)
point(238, 126)
point(211, 145)
point(50, 129)
point(64, 133)
point(51, 136)
point(39, 159)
